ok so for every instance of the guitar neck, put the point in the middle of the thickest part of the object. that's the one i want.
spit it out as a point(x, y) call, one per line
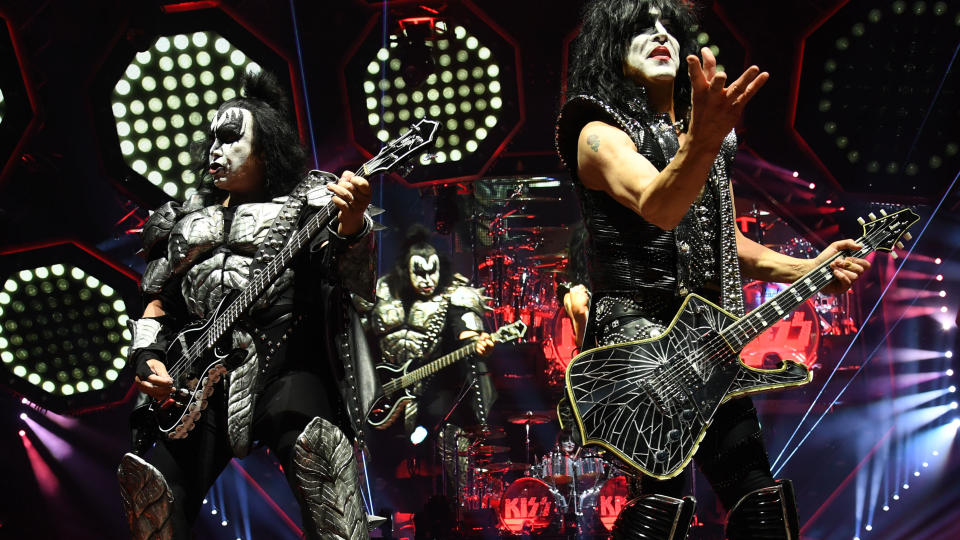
point(268, 274)
point(423, 372)
point(746, 329)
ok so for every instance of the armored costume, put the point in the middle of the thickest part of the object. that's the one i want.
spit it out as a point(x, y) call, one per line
point(306, 380)
point(639, 276)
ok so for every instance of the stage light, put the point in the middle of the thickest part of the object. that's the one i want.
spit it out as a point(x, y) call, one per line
point(953, 404)
point(63, 335)
point(214, 511)
point(939, 277)
point(936, 452)
point(925, 464)
point(876, 134)
point(23, 416)
point(906, 486)
point(452, 66)
point(955, 423)
point(796, 174)
point(896, 497)
point(949, 372)
point(942, 294)
point(952, 388)
point(812, 185)
point(160, 104)
point(916, 473)
point(64, 326)
point(204, 501)
point(886, 508)
point(223, 523)
point(3, 106)
point(943, 309)
point(418, 435)
point(22, 433)
point(937, 260)
point(868, 528)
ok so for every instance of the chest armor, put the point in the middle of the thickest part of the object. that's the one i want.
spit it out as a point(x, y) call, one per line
point(215, 260)
point(409, 334)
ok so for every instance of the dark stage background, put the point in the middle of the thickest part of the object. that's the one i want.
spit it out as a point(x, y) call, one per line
point(859, 115)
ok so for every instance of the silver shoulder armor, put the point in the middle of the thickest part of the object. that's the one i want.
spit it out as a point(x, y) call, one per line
point(157, 272)
point(158, 226)
point(471, 298)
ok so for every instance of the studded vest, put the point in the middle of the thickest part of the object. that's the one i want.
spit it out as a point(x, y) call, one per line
point(630, 257)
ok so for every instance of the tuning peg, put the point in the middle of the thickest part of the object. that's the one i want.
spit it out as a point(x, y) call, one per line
point(907, 236)
point(871, 215)
point(861, 221)
point(893, 254)
point(899, 245)
point(883, 212)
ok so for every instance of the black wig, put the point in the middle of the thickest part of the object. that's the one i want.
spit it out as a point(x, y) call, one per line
point(597, 58)
point(416, 237)
point(275, 138)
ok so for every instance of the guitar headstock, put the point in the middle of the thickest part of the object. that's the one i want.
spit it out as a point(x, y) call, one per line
point(510, 332)
point(884, 232)
point(420, 135)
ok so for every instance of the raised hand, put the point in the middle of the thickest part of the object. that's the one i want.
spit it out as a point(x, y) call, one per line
point(717, 108)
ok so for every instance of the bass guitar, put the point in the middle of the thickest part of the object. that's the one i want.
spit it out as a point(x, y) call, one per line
point(201, 355)
point(651, 401)
point(395, 380)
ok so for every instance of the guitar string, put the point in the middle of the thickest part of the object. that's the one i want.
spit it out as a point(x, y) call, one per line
point(670, 377)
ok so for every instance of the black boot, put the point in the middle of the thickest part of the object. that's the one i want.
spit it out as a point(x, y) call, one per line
point(765, 514)
point(654, 517)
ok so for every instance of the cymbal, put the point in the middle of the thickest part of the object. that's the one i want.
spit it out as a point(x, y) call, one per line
point(522, 199)
point(490, 449)
point(540, 228)
point(548, 256)
point(529, 417)
point(504, 467)
point(485, 432)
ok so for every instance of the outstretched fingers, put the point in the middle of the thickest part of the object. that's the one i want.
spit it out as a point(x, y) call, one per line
point(751, 90)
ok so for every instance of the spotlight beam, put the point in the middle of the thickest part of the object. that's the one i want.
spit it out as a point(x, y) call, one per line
point(266, 497)
point(854, 340)
point(303, 81)
point(840, 487)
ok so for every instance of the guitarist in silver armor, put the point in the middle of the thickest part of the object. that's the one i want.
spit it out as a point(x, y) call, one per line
point(647, 133)
point(305, 375)
point(422, 311)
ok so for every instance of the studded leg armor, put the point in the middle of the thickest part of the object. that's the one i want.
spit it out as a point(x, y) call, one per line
point(146, 498)
point(453, 448)
point(767, 513)
point(654, 517)
point(327, 484)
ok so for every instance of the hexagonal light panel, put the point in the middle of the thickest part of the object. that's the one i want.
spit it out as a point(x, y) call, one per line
point(166, 99)
point(63, 335)
point(455, 69)
point(878, 94)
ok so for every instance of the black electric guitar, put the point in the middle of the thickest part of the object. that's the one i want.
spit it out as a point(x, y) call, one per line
point(201, 354)
point(650, 401)
point(395, 380)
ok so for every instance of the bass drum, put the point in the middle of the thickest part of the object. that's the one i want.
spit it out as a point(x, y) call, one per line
point(601, 505)
point(529, 505)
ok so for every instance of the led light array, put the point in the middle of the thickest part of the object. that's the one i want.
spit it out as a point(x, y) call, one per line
point(166, 99)
point(62, 329)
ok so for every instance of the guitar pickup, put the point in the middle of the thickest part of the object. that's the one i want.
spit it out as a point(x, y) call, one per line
point(654, 396)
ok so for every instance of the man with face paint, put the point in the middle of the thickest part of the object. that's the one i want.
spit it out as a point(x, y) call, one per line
point(650, 143)
point(306, 378)
point(422, 311)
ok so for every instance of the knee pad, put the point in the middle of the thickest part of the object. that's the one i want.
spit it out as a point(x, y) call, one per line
point(654, 517)
point(327, 483)
point(146, 498)
point(765, 513)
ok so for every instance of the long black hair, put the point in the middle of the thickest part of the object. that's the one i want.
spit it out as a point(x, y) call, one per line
point(275, 138)
point(416, 237)
point(597, 57)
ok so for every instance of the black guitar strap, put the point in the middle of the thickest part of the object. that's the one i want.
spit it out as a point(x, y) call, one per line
point(285, 222)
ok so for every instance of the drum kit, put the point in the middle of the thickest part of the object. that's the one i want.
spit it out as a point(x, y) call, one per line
point(569, 491)
point(520, 260)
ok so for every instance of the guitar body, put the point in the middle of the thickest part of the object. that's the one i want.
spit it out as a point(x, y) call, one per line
point(389, 406)
point(650, 402)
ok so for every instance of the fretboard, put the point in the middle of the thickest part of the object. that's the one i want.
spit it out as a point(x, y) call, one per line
point(746, 329)
point(425, 371)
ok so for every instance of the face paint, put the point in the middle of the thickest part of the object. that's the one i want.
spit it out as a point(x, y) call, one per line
point(653, 54)
point(424, 272)
point(232, 164)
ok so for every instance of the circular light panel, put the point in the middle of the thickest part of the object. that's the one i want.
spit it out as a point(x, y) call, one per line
point(62, 329)
point(166, 99)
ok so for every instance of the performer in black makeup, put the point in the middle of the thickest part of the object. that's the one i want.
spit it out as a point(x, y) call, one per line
point(306, 379)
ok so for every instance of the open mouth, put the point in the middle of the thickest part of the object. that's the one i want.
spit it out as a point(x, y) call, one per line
point(216, 169)
point(660, 53)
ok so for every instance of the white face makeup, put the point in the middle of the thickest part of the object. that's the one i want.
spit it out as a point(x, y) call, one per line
point(653, 54)
point(425, 273)
point(232, 164)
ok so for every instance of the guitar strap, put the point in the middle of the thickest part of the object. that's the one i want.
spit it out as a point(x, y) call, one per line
point(284, 223)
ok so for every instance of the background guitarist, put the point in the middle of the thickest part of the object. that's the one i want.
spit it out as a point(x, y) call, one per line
point(422, 312)
point(647, 133)
point(286, 394)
